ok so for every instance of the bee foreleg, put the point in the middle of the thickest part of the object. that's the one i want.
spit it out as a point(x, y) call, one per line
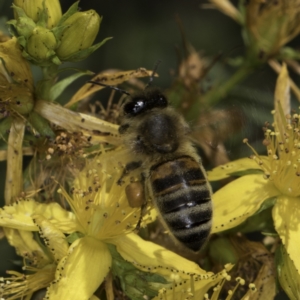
point(128, 168)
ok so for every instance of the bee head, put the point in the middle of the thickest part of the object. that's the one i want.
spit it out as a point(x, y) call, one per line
point(145, 102)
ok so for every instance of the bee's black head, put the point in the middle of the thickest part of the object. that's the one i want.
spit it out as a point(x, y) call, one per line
point(145, 102)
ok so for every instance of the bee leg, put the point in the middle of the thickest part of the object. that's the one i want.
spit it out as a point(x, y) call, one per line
point(143, 210)
point(144, 204)
point(128, 168)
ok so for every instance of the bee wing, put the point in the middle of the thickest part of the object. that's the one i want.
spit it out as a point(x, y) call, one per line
point(212, 129)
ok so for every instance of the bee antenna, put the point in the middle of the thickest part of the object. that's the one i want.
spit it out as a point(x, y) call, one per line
point(153, 73)
point(110, 86)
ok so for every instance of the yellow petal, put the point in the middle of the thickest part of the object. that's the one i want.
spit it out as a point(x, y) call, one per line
point(183, 274)
point(227, 8)
point(240, 199)
point(14, 178)
point(108, 78)
point(282, 98)
point(54, 239)
point(240, 165)
point(15, 64)
point(286, 216)
point(19, 216)
point(140, 252)
point(288, 276)
point(26, 246)
point(73, 121)
point(81, 272)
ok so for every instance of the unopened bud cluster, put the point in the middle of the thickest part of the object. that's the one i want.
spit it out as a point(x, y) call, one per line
point(47, 37)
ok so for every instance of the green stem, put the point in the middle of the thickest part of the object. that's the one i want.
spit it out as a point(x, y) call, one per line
point(215, 95)
point(44, 85)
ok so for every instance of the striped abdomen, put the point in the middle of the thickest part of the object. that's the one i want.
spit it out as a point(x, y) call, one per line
point(182, 195)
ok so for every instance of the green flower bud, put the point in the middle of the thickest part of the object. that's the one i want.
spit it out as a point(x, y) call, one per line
point(33, 9)
point(41, 44)
point(23, 26)
point(82, 29)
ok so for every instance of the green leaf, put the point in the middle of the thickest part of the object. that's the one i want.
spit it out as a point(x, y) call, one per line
point(82, 54)
point(288, 53)
point(74, 236)
point(74, 70)
point(246, 172)
point(262, 222)
point(20, 11)
point(5, 125)
point(41, 125)
point(72, 10)
point(43, 16)
point(60, 86)
point(267, 204)
point(135, 283)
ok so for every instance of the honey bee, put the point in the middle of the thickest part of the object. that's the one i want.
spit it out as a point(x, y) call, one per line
point(172, 173)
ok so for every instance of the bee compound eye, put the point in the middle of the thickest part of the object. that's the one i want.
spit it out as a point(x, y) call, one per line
point(134, 107)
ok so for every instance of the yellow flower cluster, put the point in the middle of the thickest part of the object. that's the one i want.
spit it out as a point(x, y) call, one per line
point(270, 181)
point(78, 243)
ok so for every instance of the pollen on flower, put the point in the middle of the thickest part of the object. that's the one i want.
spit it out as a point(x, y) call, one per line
point(231, 293)
point(99, 202)
point(20, 285)
point(283, 152)
point(240, 280)
point(252, 287)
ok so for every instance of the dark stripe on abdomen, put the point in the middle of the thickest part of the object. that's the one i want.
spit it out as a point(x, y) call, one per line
point(183, 198)
point(189, 177)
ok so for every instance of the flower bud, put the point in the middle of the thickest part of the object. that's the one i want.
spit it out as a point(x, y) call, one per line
point(82, 29)
point(33, 9)
point(270, 25)
point(41, 44)
point(16, 69)
point(23, 26)
point(16, 82)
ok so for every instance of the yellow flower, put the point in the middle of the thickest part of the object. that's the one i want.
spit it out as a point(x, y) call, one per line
point(40, 262)
point(272, 179)
point(288, 277)
point(100, 219)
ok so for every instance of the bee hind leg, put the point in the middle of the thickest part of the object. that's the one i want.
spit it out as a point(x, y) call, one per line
point(143, 210)
point(143, 202)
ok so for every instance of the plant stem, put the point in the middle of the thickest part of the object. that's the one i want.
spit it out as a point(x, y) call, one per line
point(215, 95)
point(44, 85)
